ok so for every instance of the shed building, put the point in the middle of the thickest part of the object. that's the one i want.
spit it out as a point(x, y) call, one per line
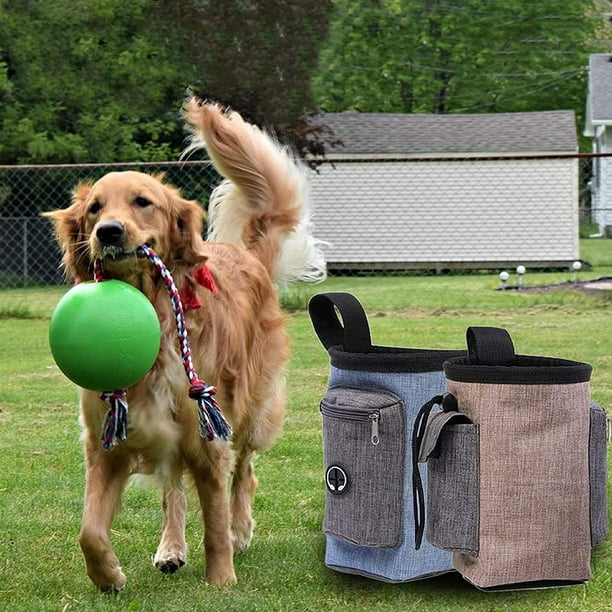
point(409, 191)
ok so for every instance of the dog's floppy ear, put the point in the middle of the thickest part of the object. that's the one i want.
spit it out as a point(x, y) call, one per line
point(70, 233)
point(186, 233)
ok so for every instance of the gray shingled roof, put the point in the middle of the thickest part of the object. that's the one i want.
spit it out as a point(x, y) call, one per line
point(599, 99)
point(388, 133)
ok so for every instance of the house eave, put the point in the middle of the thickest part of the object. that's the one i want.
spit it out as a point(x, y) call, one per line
point(591, 129)
point(339, 157)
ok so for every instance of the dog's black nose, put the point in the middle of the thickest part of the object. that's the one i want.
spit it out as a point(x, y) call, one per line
point(109, 233)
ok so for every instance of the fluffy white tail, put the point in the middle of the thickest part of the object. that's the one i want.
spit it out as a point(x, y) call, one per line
point(262, 205)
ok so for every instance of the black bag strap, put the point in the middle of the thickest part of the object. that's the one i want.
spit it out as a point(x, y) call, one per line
point(353, 333)
point(490, 346)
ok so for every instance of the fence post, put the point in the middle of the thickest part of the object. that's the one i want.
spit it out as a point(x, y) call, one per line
point(25, 251)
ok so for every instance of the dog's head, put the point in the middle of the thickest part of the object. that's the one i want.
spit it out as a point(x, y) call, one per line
point(111, 218)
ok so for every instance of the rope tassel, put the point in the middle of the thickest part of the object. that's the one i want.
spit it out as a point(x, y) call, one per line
point(211, 420)
point(115, 424)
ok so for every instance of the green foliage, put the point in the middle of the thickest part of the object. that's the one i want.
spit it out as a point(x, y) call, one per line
point(297, 296)
point(104, 80)
point(438, 57)
point(86, 82)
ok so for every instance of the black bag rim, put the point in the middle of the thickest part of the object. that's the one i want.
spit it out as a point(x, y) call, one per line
point(392, 359)
point(527, 370)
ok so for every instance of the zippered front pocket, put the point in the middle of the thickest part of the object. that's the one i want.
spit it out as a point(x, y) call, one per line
point(364, 443)
point(362, 416)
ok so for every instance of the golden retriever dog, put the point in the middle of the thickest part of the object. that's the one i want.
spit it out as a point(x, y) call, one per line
point(260, 229)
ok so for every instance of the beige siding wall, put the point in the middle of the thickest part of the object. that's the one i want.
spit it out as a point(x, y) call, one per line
point(447, 211)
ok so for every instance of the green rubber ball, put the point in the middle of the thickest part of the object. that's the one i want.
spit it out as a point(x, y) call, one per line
point(104, 336)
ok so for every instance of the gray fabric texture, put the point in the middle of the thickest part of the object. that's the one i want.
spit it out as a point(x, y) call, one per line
point(453, 498)
point(598, 474)
point(436, 422)
point(402, 563)
point(370, 511)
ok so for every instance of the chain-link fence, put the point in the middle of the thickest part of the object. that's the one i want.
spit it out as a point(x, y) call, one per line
point(497, 209)
point(28, 253)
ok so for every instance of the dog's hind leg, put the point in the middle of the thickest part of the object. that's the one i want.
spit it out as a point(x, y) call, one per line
point(210, 471)
point(106, 478)
point(172, 550)
point(264, 430)
point(244, 484)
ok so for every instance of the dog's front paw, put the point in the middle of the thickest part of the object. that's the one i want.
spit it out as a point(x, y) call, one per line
point(169, 564)
point(170, 556)
point(221, 578)
point(112, 583)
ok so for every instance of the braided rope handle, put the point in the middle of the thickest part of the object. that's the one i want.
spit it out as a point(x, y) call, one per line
point(211, 420)
point(212, 423)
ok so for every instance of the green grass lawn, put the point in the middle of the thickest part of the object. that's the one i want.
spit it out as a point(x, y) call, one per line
point(41, 466)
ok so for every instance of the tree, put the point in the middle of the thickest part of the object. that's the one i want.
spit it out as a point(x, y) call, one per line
point(439, 57)
point(256, 56)
point(104, 80)
point(85, 81)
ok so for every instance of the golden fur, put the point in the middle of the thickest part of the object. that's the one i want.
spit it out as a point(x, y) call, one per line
point(237, 336)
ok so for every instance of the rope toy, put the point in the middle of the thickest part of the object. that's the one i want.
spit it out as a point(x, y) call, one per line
point(212, 423)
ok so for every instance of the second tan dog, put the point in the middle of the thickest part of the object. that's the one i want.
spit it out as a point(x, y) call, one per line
point(237, 335)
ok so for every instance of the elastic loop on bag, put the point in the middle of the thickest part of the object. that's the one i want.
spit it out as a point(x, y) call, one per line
point(418, 493)
point(353, 333)
point(425, 434)
point(490, 346)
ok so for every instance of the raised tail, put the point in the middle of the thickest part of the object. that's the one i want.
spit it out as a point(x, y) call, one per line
point(262, 205)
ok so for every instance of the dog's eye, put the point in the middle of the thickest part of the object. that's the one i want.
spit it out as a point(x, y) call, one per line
point(142, 202)
point(95, 207)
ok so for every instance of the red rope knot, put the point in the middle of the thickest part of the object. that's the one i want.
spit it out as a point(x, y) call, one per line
point(200, 389)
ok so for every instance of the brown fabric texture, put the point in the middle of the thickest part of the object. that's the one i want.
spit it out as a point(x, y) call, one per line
point(534, 482)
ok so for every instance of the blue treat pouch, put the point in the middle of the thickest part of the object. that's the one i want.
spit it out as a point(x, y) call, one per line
point(374, 395)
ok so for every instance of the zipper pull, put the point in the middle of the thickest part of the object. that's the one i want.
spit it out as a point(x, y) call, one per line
point(374, 418)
